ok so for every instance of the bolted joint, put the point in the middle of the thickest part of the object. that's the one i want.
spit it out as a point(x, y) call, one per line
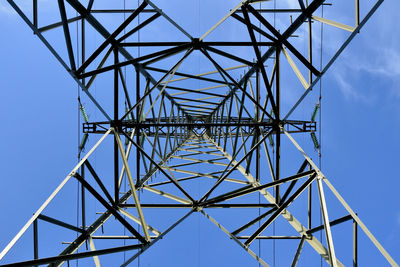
point(196, 43)
point(196, 207)
point(116, 124)
point(277, 125)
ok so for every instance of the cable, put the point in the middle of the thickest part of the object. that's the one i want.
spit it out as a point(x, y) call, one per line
point(137, 115)
point(124, 229)
point(79, 131)
point(258, 171)
point(273, 154)
point(198, 180)
point(320, 114)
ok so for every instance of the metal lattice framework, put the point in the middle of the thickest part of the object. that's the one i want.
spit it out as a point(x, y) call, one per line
point(188, 139)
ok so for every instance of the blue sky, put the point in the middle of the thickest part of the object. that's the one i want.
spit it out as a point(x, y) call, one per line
point(360, 129)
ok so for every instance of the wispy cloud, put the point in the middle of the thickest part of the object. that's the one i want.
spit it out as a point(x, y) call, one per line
point(5, 8)
point(350, 92)
point(383, 64)
point(291, 4)
point(377, 56)
point(383, 61)
point(26, 7)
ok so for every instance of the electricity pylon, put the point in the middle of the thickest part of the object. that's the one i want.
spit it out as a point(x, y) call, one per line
point(189, 139)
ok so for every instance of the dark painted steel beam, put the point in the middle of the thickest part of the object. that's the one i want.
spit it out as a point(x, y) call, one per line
point(200, 44)
point(107, 214)
point(286, 34)
point(138, 27)
point(279, 210)
point(234, 82)
point(298, 251)
point(67, 35)
point(293, 183)
point(284, 41)
point(159, 167)
point(103, 31)
point(259, 60)
point(58, 24)
point(94, 11)
point(247, 190)
point(60, 223)
point(221, 179)
point(110, 208)
point(52, 260)
point(110, 39)
point(277, 10)
point(228, 55)
point(187, 75)
point(134, 61)
point(255, 220)
point(99, 182)
point(254, 27)
point(192, 91)
point(332, 223)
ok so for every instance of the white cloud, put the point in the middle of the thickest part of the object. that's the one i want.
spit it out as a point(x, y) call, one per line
point(387, 64)
point(25, 6)
point(6, 9)
point(350, 92)
point(375, 54)
point(291, 3)
point(383, 63)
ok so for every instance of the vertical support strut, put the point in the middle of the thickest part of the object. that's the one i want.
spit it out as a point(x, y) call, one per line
point(83, 56)
point(138, 118)
point(277, 124)
point(309, 204)
point(83, 199)
point(116, 119)
point(35, 240)
point(35, 13)
point(355, 244)
point(67, 34)
point(257, 132)
point(357, 7)
point(310, 58)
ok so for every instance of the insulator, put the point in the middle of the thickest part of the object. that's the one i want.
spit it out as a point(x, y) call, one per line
point(314, 114)
point(83, 142)
point(129, 117)
point(142, 117)
point(84, 115)
point(271, 140)
point(315, 140)
point(126, 141)
point(271, 112)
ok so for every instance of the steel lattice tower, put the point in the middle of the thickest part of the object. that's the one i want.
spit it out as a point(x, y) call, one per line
point(194, 123)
